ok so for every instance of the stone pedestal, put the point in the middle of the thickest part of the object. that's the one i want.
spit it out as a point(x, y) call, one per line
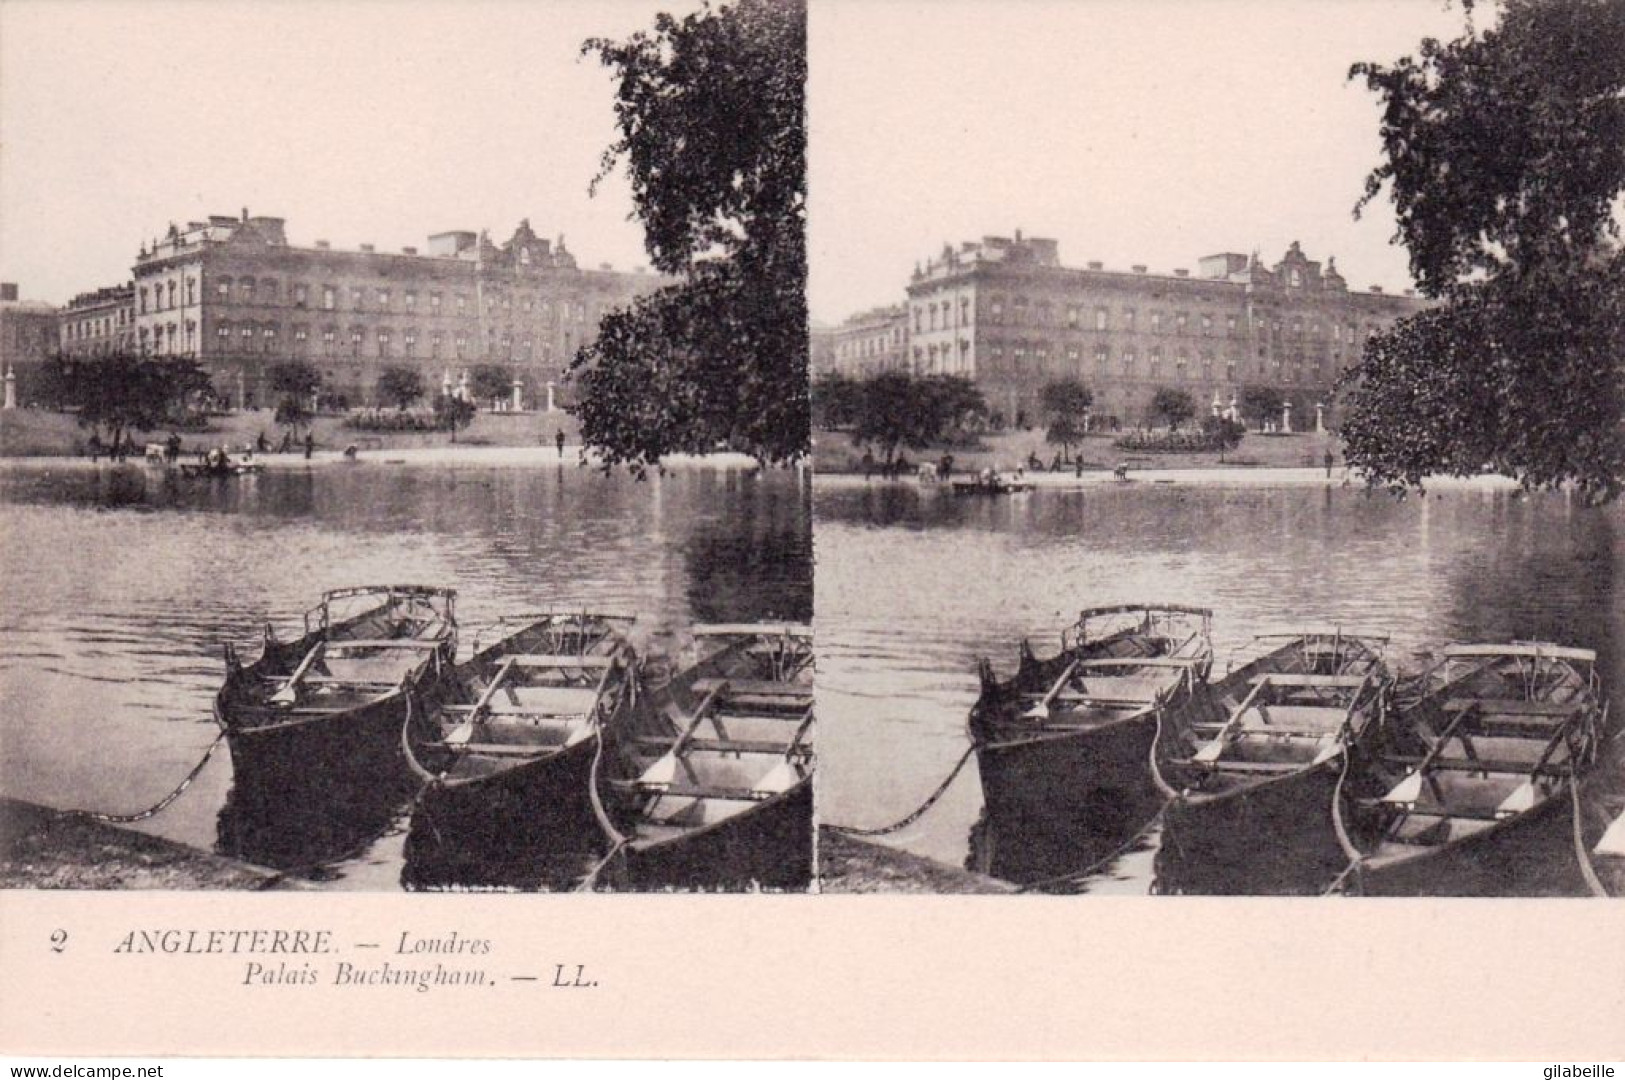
point(1286, 417)
point(11, 388)
point(551, 406)
point(1320, 418)
point(518, 396)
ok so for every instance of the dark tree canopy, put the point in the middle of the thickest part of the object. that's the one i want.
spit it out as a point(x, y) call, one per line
point(836, 399)
point(710, 110)
point(296, 377)
point(898, 410)
point(124, 392)
point(1260, 403)
point(490, 382)
point(453, 412)
point(1173, 406)
point(399, 386)
point(1066, 401)
point(1504, 152)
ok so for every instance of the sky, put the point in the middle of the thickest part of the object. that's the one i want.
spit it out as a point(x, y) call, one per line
point(1141, 132)
point(359, 121)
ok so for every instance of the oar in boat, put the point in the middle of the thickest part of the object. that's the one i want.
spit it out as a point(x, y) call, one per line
point(290, 689)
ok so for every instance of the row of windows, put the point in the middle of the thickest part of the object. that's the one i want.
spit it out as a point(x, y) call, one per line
point(1019, 311)
point(81, 329)
point(166, 295)
point(250, 290)
point(263, 338)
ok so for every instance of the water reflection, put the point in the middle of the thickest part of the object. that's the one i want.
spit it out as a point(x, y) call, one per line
point(914, 585)
point(119, 588)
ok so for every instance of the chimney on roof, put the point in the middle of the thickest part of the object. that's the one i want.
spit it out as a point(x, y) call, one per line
point(323, 244)
point(368, 247)
point(1376, 288)
point(245, 215)
point(409, 251)
point(1138, 269)
point(1182, 272)
point(1097, 266)
point(606, 266)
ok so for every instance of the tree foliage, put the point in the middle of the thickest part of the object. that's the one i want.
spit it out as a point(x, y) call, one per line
point(490, 382)
point(712, 135)
point(123, 392)
point(298, 378)
point(1260, 403)
point(453, 412)
point(898, 410)
point(399, 386)
point(1504, 153)
point(836, 399)
point(1172, 406)
point(1065, 401)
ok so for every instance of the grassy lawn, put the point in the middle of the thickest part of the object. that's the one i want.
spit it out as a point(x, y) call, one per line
point(834, 452)
point(37, 433)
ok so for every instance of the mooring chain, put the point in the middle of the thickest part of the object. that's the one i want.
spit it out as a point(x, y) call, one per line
point(920, 810)
point(161, 804)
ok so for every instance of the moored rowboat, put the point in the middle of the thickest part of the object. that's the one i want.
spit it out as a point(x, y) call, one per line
point(1474, 790)
point(1249, 767)
point(1062, 746)
point(313, 725)
point(505, 746)
point(722, 797)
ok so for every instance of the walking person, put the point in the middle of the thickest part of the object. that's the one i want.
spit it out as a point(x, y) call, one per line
point(310, 444)
point(1328, 460)
point(558, 441)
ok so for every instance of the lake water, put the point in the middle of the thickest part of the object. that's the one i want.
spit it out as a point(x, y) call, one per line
point(914, 585)
point(119, 588)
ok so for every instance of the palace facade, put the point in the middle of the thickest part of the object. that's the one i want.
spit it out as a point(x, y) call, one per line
point(1007, 314)
point(232, 293)
point(99, 322)
point(871, 342)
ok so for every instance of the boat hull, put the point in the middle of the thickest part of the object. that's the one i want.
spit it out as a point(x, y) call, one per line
point(1271, 838)
point(1057, 804)
point(311, 791)
point(769, 846)
point(1529, 855)
point(529, 826)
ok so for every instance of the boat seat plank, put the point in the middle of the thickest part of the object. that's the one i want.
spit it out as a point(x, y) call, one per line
point(505, 749)
point(757, 687)
point(1261, 767)
point(1508, 707)
point(741, 746)
point(691, 791)
point(384, 643)
point(359, 684)
point(549, 660)
point(1141, 661)
point(1490, 765)
point(1302, 679)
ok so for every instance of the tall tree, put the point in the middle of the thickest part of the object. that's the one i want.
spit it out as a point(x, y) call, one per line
point(124, 392)
point(898, 410)
point(490, 382)
point(1066, 401)
point(1172, 405)
point(399, 386)
point(1504, 153)
point(712, 134)
point(294, 382)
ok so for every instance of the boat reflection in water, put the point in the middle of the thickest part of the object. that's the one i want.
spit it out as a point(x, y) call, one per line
point(721, 797)
point(505, 750)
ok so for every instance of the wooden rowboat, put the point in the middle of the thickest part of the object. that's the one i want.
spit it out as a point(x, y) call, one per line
point(505, 746)
point(1250, 765)
point(721, 798)
point(1603, 863)
point(313, 725)
point(1062, 746)
point(1473, 795)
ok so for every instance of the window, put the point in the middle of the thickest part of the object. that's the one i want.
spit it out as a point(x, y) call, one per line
point(462, 303)
point(142, 301)
point(222, 332)
point(355, 341)
point(410, 340)
point(383, 299)
point(299, 336)
point(330, 340)
point(222, 288)
point(996, 310)
point(1295, 276)
point(462, 341)
point(1072, 316)
point(435, 341)
point(330, 297)
point(267, 338)
point(1230, 325)
point(268, 290)
point(1102, 355)
point(172, 294)
point(434, 302)
point(301, 295)
point(383, 343)
point(1072, 353)
point(1179, 322)
point(1156, 322)
point(247, 336)
point(1207, 324)
point(1101, 322)
point(530, 302)
point(1128, 320)
point(410, 299)
point(358, 298)
point(245, 290)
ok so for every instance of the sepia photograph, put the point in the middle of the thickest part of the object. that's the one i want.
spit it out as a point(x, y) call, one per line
point(1217, 440)
point(405, 448)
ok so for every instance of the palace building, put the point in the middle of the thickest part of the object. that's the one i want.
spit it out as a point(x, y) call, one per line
point(1007, 314)
point(99, 322)
point(232, 293)
point(871, 342)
